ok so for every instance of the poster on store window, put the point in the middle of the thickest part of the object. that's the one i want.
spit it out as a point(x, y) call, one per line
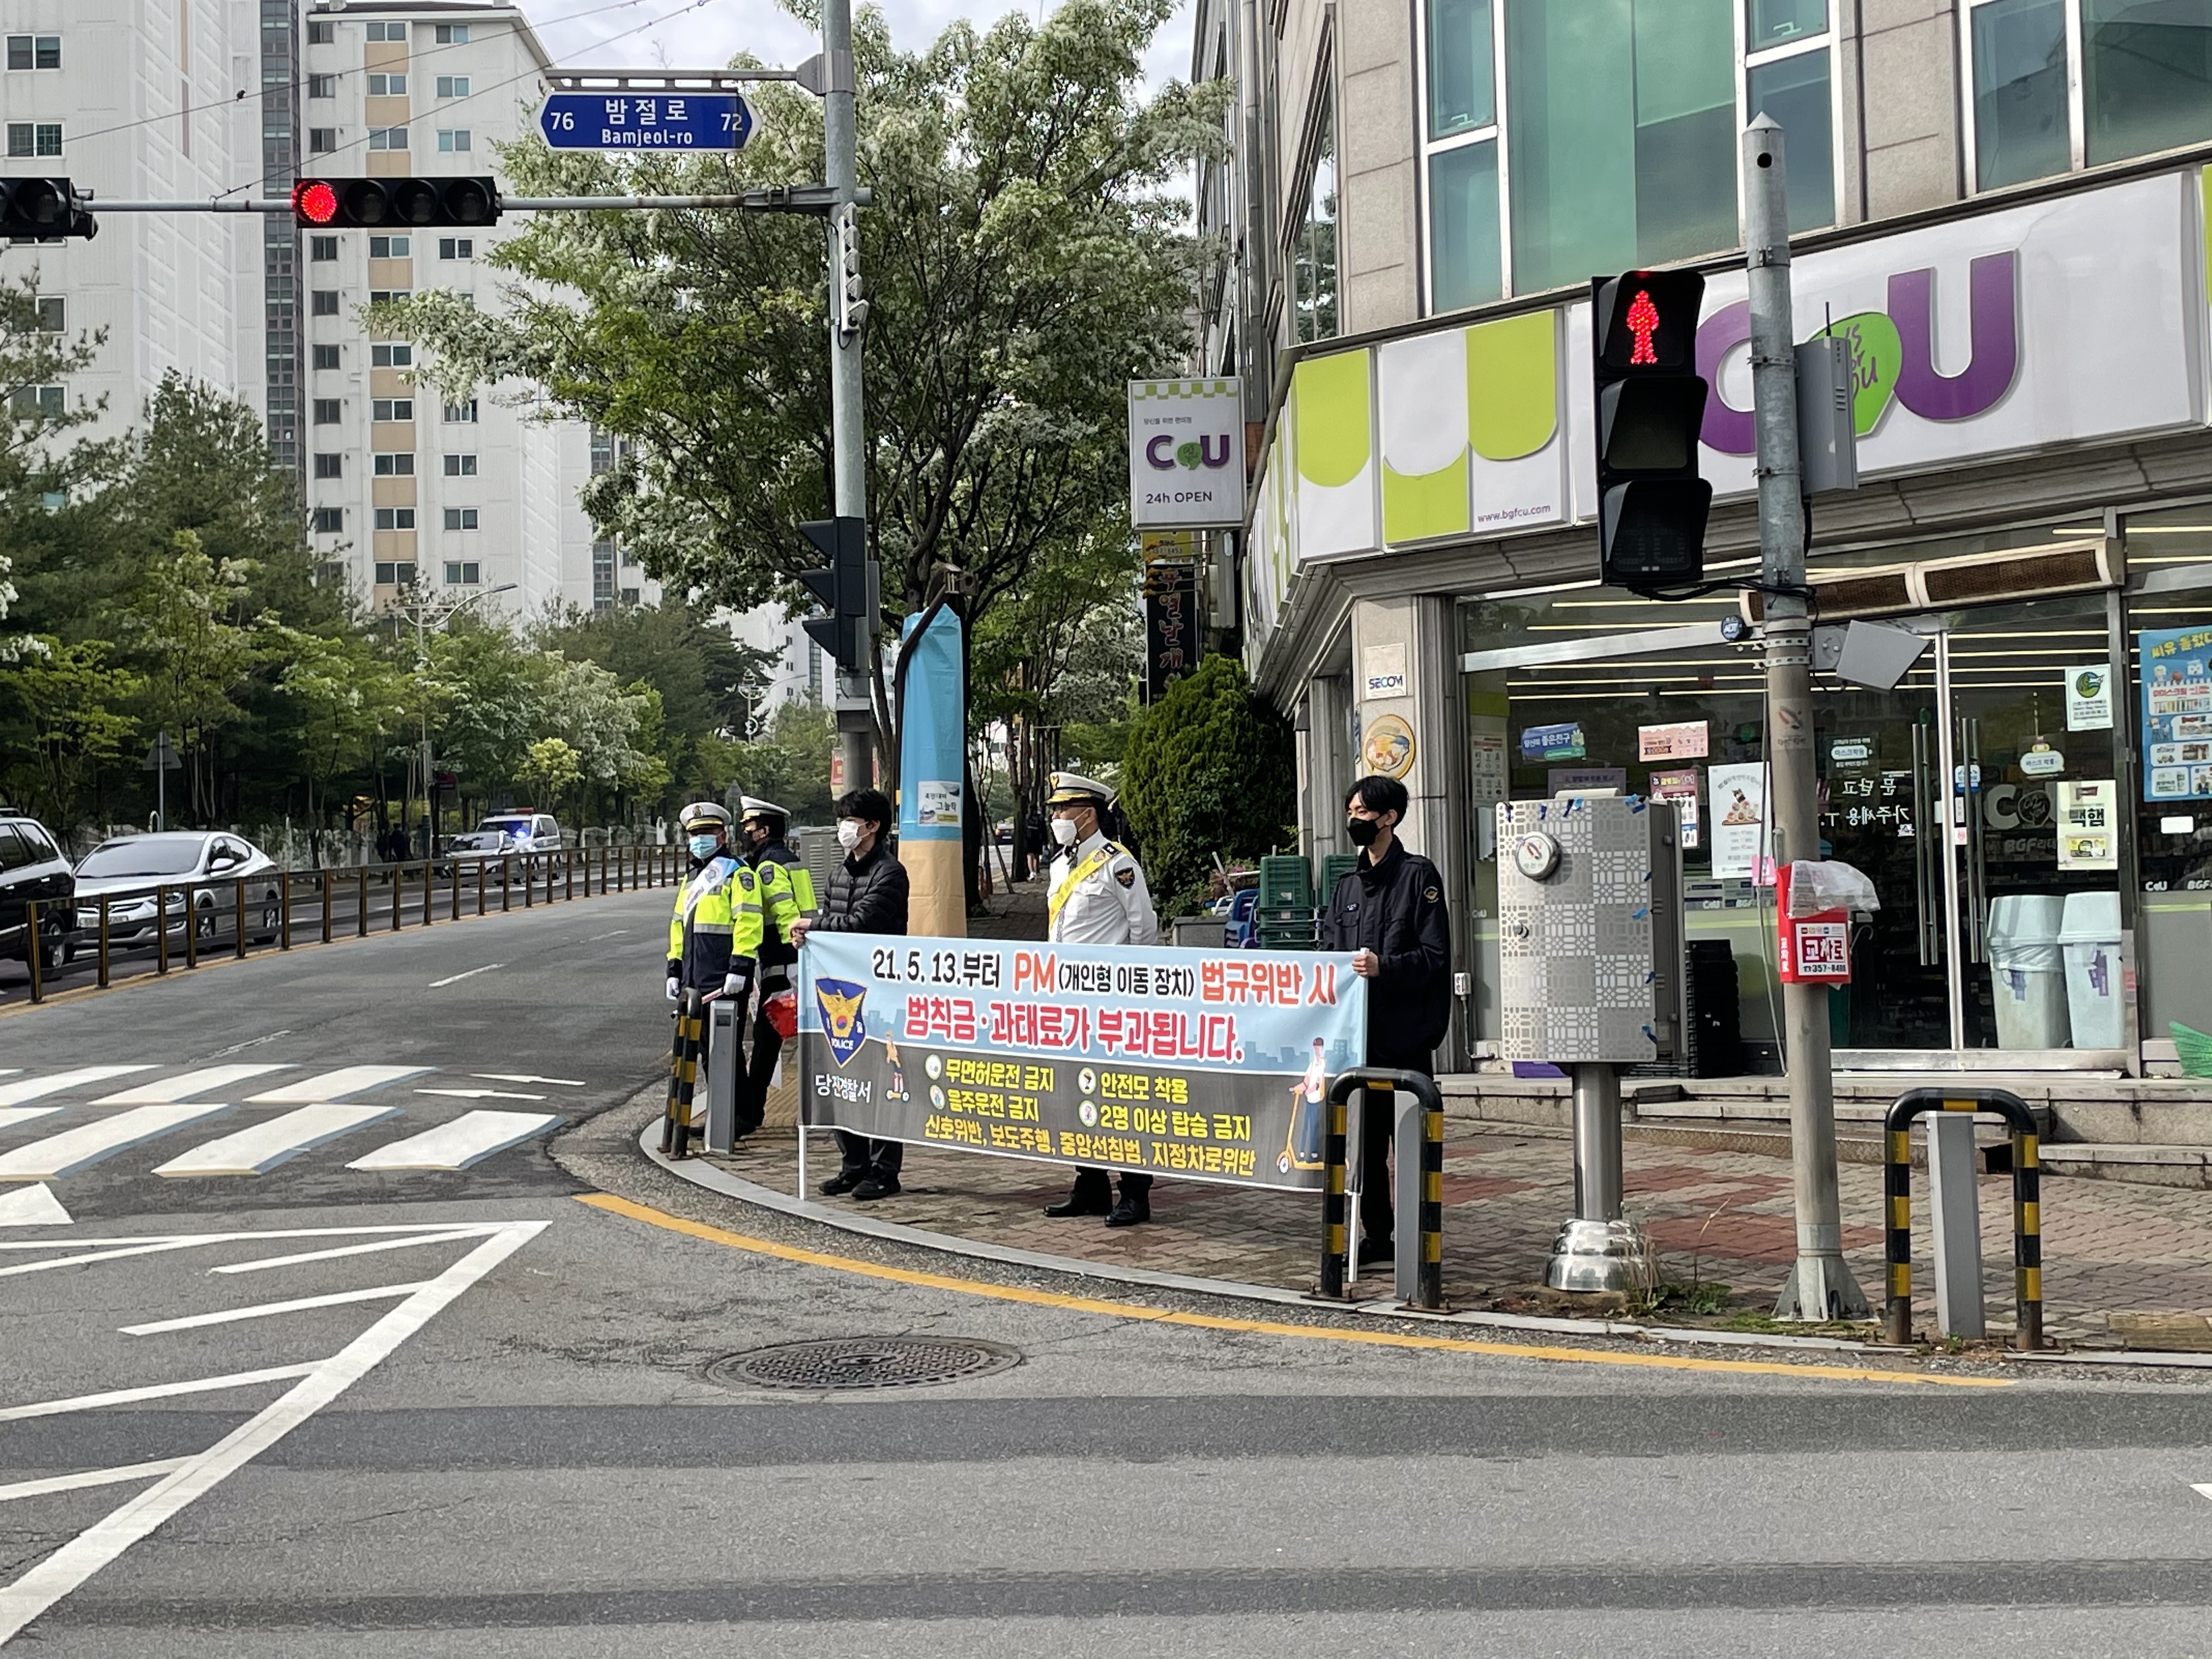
point(1743, 842)
point(2088, 823)
point(1682, 785)
point(2177, 712)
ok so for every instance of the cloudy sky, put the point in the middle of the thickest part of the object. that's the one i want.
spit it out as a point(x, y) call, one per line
point(611, 34)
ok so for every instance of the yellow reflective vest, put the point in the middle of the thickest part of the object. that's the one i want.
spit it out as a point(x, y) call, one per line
point(787, 893)
point(716, 926)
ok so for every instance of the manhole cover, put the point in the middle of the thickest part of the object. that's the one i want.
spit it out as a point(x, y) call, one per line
point(863, 1361)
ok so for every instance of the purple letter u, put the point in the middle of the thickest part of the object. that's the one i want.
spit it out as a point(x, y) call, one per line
point(1994, 333)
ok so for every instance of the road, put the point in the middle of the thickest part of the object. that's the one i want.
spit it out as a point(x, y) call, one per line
point(491, 1426)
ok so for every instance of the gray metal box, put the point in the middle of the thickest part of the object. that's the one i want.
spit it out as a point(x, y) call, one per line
point(1589, 951)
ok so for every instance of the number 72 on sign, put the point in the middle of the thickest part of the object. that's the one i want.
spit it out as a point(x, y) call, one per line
point(646, 120)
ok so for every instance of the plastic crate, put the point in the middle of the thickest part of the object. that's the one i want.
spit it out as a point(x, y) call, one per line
point(1287, 879)
point(1333, 868)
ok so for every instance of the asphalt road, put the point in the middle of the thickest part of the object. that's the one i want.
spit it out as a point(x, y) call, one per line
point(496, 1433)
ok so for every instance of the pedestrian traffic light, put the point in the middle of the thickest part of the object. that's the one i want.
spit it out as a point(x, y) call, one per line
point(402, 204)
point(44, 207)
point(846, 585)
point(850, 310)
point(1650, 405)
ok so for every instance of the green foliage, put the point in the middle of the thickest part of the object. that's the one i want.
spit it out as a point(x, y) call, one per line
point(789, 762)
point(553, 768)
point(1208, 770)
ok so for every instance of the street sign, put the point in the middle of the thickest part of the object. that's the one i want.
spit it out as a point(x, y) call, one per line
point(160, 756)
point(658, 120)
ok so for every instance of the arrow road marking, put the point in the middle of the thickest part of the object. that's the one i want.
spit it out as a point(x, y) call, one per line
point(455, 979)
point(480, 1094)
point(524, 1077)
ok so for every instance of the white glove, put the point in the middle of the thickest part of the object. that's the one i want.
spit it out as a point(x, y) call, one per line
point(675, 987)
point(733, 987)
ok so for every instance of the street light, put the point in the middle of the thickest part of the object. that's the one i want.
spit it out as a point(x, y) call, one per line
point(423, 630)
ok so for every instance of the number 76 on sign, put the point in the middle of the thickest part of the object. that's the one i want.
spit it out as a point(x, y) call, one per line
point(643, 121)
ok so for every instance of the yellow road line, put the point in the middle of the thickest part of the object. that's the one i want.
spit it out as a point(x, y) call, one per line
point(653, 1217)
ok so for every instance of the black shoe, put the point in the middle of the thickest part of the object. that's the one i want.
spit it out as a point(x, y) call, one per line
point(1129, 1211)
point(843, 1181)
point(1079, 1203)
point(1373, 1251)
point(875, 1187)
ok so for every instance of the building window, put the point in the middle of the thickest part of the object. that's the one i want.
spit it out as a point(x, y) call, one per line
point(391, 357)
point(460, 466)
point(330, 466)
point(328, 412)
point(461, 413)
point(36, 403)
point(323, 303)
point(399, 572)
point(1786, 76)
point(387, 32)
point(53, 314)
point(463, 573)
point(1466, 266)
point(630, 596)
point(1313, 254)
point(321, 34)
point(457, 247)
point(392, 409)
point(378, 296)
point(322, 86)
point(603, 573)
point(329, 521)
point(329, 573)
point(388, 138)
point(452, 35)
point(326, 357)
point(453, 86)
point(460, 517)
point(629, 557)
point(452, 141)
point(34, 52)
point(387, 86)
point(394, 464)
point(321, 141)
point(322, 247)
point(2146, 76)
point(391, 248)
point(395, 517)
point(34, 138)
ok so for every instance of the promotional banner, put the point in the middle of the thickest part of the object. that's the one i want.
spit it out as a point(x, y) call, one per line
point(1743, 844)
point(1187, 453)
point(2177, 712)
point(1210, 1065)
point(1171, 625)
point(933, 702)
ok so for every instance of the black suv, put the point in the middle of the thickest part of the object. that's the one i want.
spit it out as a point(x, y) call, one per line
point(34, 871)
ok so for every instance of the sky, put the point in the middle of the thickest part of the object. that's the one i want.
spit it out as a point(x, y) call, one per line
point(608, 34)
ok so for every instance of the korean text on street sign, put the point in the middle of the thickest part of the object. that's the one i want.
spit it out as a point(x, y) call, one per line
point(652, 120)
point(1210, 1065)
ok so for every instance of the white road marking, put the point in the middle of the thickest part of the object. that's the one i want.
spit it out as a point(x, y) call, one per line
point(85, 1402)
point(31, 1207)
point(268, 1310)
point(110, 1477)
point(615, 933)
point(455, 979)
point(98, 1544)
point(86, 1145)
point(480, 1094)
point(469, 1139)
point(152, 1247)
point(444, 1235)
point(2203, 1486)
point(250, 1043)
point(336, 1085)
point(259, 1233)
point(203, 1081)
point(260, 1149)
point(37, 1088)
point(524, 1077)
point(11, 1116)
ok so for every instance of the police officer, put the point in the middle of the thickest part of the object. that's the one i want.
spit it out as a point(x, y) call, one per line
point(715, 933)
point(787, 893)
point(1098, 896)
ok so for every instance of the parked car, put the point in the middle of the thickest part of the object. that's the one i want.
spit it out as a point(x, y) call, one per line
point(33, 871)
point(130, 869)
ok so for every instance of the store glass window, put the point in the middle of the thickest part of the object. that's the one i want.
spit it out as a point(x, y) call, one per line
point(1314, 260)
point(1782, 22)
point(1463, 228)
point(2018, 53)
point(1604, 182)
point(1793, 90)
point(1462, 95)
point(2147, 75)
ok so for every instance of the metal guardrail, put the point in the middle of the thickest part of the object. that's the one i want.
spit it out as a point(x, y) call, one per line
point(1419, 1273)
point(2026, 1205)
point(191, 909)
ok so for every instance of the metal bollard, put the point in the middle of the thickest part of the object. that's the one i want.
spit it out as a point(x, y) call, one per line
point(325, 874)
point(569, 865)
point(726, 1064)
point(1336, 1231)
point(103, 940)
point(506, 884)
point(32, 949)
point(160, 929)
point(399, 894)
point(361, 904)
point(192, 926)
point(1418, 1132)
point(2027, 1197)
point(682, 1076)
point(238, 919)
point(284, 900)
point(453, 892)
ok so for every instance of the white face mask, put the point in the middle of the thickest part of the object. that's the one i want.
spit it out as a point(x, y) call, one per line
point(848, 833)
point(1063, 831)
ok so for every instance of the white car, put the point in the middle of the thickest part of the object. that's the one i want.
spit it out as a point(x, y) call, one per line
point(518, 834)
point(129, 871)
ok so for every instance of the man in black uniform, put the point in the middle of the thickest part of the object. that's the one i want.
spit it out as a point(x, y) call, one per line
point(761, 828)
point(1389, 914)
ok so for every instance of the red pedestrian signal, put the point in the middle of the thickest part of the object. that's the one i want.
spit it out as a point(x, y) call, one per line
point(399, 203)
point(1650, 402)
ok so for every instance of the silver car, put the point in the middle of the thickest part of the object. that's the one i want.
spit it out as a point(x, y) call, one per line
point(130, 869)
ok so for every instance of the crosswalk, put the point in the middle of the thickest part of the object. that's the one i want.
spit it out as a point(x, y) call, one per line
point(202, 1124)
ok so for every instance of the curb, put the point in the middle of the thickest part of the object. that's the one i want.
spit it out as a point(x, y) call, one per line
point(748, 1192)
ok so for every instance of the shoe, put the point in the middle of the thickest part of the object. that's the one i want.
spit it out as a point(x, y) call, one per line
point(1129, 1211)
point(1079, 1204)
point(1375, 1251)
point(875, 1187)
point(843, 1181)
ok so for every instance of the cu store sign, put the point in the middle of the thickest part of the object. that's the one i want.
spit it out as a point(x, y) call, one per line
point(1186, 454)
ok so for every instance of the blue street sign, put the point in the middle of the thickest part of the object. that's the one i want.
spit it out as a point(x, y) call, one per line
point(645, 120)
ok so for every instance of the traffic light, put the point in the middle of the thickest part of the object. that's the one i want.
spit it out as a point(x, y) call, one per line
point(847, 586)
point(850, 310)
point(44, 207)
point(394, 204)
point(1650, 405)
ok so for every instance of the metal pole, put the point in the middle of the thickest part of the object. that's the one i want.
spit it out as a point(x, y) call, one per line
point(848, 443)
point(1820, 1286)
point(1597, 1248)
point(162, 781)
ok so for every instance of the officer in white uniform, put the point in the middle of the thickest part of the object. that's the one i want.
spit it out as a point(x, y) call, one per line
point(1097, 896)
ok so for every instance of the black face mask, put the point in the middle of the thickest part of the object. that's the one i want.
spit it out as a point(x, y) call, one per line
point(1362, 831)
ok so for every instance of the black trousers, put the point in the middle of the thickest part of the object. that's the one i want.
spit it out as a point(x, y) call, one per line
point(864, 1157)
point(1097, 1186)
point(1378, 1115)
point(760, 1071)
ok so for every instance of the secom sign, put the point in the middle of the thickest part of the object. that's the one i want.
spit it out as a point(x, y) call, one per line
point(1186, 454)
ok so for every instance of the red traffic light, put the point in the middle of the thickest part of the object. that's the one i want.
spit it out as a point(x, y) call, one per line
point(1648, 319)
point(313, 202)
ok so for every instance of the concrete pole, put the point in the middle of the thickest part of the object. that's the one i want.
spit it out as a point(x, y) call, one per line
point(848, 444)
point(1821, 1286)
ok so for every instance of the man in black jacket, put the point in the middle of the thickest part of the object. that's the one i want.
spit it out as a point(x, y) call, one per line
point(865, 893)
point(1389, 914)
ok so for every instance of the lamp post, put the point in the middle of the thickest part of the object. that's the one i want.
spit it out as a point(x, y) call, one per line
point(423, 629)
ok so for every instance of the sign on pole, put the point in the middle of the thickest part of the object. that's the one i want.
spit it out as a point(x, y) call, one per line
point(1187, 454)
point(651, 120)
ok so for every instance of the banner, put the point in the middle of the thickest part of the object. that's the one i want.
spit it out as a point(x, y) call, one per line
point(1171, 625)
point(2177, 712)
point(1208, 1065)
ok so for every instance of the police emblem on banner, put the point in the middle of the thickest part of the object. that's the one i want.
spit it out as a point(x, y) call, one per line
point(840, 1000)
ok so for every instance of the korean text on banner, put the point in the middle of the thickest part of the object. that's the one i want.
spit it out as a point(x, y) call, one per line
point(1204, 1064)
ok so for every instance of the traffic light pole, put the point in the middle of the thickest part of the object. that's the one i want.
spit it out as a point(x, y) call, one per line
point(1820, 1285)
point(848, 444)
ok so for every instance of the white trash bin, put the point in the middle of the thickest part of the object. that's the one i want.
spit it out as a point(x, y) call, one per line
point(2027, 975)
point(2090, 939)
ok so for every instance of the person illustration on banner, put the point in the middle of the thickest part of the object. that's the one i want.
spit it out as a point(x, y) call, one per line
point(1308, 1095)
point(897, 1090)
point(1098, 896)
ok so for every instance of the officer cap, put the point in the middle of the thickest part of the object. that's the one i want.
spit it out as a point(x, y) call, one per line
point(705, 815)
point(1074, 789)
point(752, 806)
